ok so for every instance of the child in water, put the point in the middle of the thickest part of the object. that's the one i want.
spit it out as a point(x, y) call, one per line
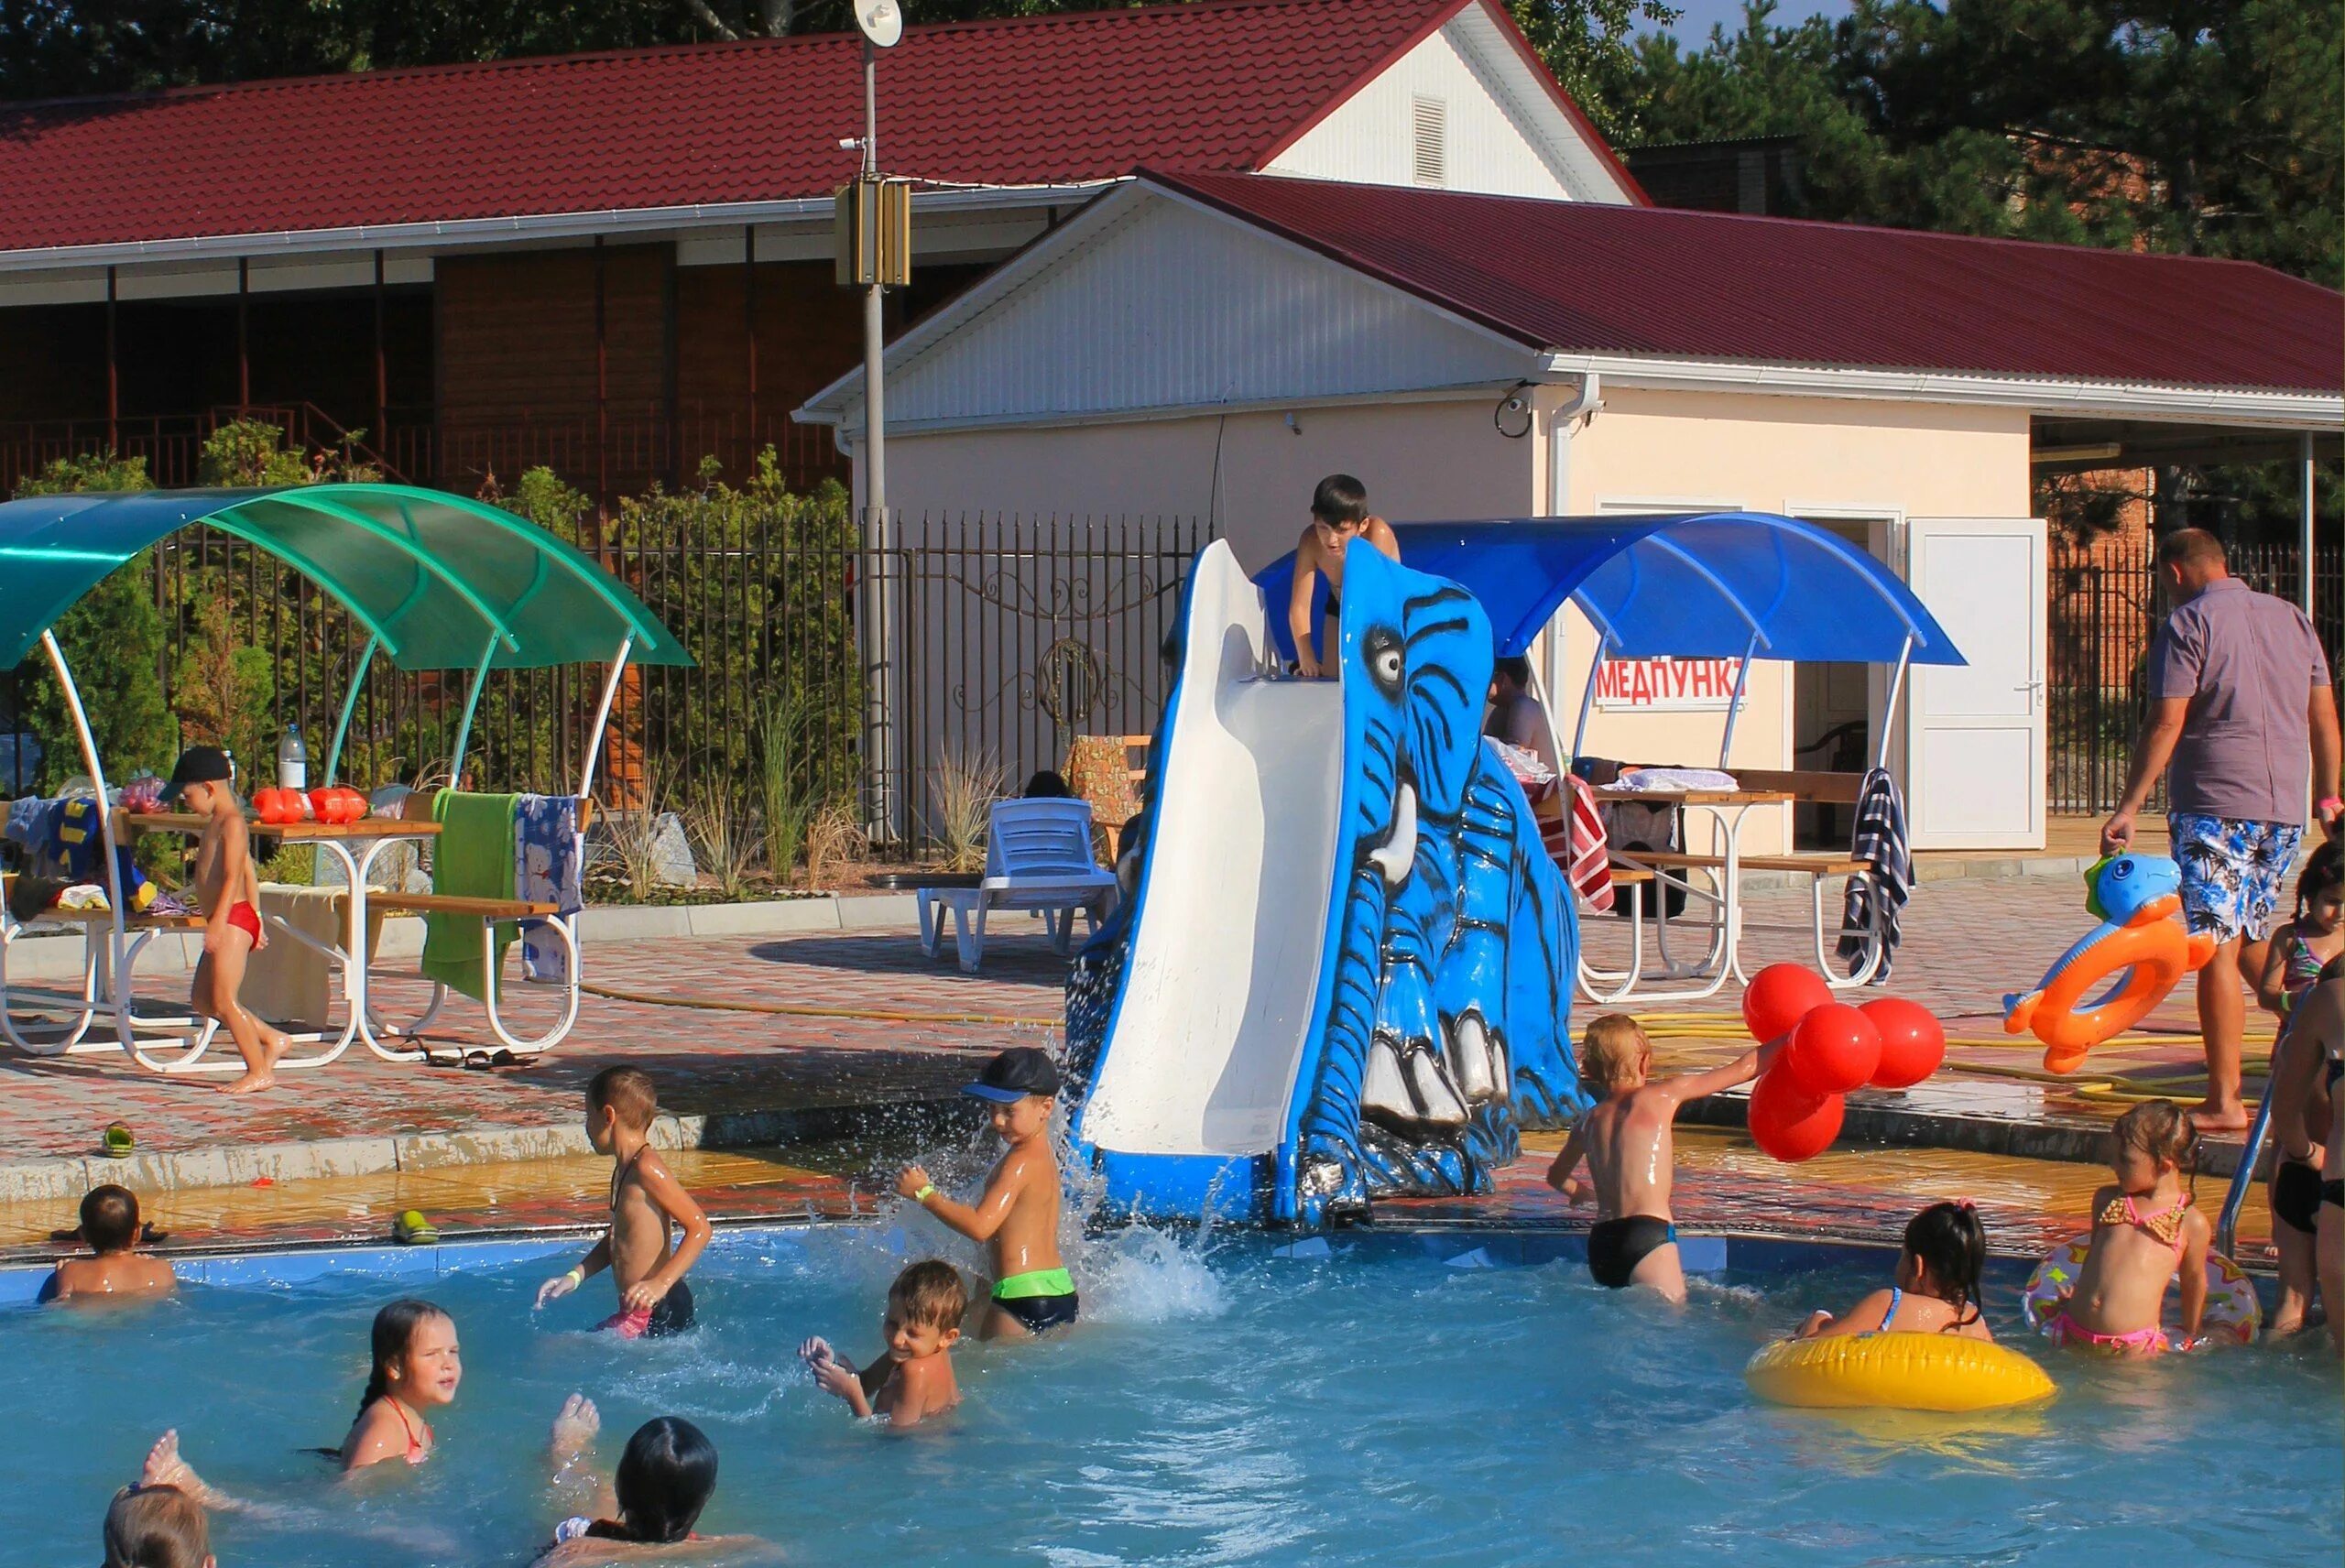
point(1938, 1282)
point(416, 1369)
point(229, 892)
point(1627, 1138)
point(117, 1272)
point(2300, 1102)
point(156, 1524)
point(1018, 1216)
point(913, 1378)
point(664, 1480)
point(646, 1201)
point(2144, 1232)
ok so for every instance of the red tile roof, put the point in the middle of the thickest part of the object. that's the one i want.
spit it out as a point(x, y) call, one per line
point(1586, 277)
point(1086, 97)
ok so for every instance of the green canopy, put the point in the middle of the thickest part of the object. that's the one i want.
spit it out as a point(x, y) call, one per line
point(434, 576)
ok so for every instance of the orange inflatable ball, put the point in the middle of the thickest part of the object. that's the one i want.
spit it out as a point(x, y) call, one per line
point(1790, 1124)
point(1834, 1049)
point(1913, 1041)
point(1778, 996)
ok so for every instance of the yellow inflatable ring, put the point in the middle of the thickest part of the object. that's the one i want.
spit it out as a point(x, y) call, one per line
point(1895, 1371)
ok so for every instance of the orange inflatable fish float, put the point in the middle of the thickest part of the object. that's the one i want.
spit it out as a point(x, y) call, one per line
point(2141, 943)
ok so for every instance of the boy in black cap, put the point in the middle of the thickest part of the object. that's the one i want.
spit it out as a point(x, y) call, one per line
point(229, 891)
point(1018, 1216)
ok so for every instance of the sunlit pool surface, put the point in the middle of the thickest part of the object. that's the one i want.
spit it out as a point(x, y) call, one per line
point(1224, 1404)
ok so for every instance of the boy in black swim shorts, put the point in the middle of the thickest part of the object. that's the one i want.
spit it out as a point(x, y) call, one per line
point(1627, 1139)
point(1017, 1215)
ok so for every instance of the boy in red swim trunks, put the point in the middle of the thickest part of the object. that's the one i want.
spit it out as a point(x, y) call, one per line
point(648, 1205)
point(228, 891)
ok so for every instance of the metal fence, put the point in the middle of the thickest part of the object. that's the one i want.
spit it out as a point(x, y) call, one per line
point(954, 643)
point(2104, 612)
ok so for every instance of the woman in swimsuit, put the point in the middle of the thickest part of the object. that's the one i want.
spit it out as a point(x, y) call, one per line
point(2316, 1034)
point(2144, 1232)
point(416, 1369)
point(2300, 1104)
point(1937, 1286)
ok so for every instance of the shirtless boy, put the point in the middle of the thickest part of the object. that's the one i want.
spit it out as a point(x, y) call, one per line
point(645, 1201)
point(1018, 1216)
point(228, 889)
point(1338, 515)
point(912, 1379)
point(117, 1272)
point(1625, 1138)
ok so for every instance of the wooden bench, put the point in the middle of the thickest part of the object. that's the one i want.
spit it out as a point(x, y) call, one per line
point(1813, 789)
point(490, 913)
point(1818, 868)
point(450, 904)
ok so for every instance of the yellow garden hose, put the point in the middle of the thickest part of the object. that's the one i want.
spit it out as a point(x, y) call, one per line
point(787, 1009)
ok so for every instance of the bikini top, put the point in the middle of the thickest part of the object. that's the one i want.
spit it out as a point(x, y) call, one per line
point(415, 1449)
point(2302, 965)
point(1896, 1298)
point(2165, 1224)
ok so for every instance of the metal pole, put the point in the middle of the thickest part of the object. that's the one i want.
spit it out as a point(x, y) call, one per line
point(113, 372)
point(602, 718)
point(471, 701)
point(1587, 699)
point(875, 460)
point(2306, 575)
point(1889, 707)
point(244, 358)
point(1734, 703)
point(349, 706)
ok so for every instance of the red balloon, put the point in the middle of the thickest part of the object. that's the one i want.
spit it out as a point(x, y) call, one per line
point(1790, 1124)
point(1913, 1041)
point(1834, 1049)
point(1778, 996)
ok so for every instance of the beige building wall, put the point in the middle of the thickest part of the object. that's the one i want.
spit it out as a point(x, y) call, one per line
point(1865, 465)
point(1251, 472)
point(1862, 466)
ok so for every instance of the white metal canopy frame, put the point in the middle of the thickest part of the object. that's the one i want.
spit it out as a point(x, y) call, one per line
point(430, 575)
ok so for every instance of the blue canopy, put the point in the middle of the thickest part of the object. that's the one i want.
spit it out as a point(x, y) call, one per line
point(1694, 586)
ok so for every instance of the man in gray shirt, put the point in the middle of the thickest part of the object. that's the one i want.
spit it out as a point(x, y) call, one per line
point(2241, 707)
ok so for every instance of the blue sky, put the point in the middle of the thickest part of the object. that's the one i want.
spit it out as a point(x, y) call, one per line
point(1693, 27)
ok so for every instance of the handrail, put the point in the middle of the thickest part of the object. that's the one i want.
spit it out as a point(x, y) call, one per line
point(2227, 1226)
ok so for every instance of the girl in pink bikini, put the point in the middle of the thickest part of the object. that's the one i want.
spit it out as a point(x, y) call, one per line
point(2144, 1232)
point(416, 1369)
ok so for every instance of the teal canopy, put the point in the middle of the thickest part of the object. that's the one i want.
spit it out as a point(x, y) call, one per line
point(434, 576)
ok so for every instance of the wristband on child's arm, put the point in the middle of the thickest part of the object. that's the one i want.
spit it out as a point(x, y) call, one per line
point(927, 1190)
point(577, 1277)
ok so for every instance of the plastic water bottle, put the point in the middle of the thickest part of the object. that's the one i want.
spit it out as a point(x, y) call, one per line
point(292, 760)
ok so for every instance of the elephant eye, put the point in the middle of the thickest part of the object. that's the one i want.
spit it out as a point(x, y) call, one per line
point(1382, 648)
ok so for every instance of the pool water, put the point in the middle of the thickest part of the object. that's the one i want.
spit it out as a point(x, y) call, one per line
point(1385, 1402)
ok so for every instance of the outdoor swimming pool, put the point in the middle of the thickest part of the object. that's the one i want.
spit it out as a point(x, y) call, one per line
point(1225, 1405)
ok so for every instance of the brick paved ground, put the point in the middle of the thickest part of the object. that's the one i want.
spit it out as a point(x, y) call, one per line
point(1967, 942)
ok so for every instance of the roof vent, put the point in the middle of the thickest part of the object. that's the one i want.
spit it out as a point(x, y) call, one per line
point(1429, 125)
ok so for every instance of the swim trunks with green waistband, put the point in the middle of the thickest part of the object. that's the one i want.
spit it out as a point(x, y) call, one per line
point(1042, 1299)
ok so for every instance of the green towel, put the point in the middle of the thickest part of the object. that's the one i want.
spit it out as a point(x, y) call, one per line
point(472, 859)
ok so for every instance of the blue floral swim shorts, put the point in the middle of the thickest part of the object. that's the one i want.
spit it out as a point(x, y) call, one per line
point(2231, 872)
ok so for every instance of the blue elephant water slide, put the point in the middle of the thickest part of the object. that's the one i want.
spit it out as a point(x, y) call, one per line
point(1346, 970)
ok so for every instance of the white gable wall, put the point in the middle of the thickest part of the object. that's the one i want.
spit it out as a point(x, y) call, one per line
point(1506, 135)
point(1170, 307)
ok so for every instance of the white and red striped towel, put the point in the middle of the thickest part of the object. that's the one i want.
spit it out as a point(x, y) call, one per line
point(1584, 857)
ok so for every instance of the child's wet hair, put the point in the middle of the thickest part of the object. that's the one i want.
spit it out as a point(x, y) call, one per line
point(1611, 1050)
point(628, 1091)
point(393, 1334)
point(931, 1293)
point(1949, 1243)
point(156, 1526)
point(2324, 872)
point(2164, 1131)
point(109, 1218)
point(665, 1478)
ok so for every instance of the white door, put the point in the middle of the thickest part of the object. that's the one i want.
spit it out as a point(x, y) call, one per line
point(1974, 752)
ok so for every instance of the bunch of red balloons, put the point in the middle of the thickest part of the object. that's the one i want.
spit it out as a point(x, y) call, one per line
point(1830, 1049)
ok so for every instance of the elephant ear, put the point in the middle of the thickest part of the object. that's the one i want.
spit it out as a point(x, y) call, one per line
point(1426, 643)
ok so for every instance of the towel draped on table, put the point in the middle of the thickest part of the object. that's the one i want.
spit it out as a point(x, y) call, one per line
point(1570, 829)
point(547, 855)
point(290, 981)
point(1879, 842)
point(474, 858)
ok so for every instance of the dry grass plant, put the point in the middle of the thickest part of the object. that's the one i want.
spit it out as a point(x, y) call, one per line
point(966, 786)
point(835, 840)
point(723, 831)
